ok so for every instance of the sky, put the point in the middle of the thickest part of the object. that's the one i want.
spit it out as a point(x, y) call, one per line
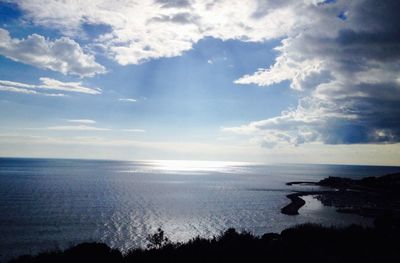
point(266, 81)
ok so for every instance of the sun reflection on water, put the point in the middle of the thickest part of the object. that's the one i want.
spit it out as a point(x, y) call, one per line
point(194, 166)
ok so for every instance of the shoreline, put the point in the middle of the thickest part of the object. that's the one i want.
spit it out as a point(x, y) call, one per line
point(297, 202)
point(368, 197)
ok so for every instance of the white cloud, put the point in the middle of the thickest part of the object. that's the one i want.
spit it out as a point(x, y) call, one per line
point(84, 125)
point(150, 29)
point(76, 128)
point(54, 95)
point(63, 55)
point(82, 121)
point(53, 84)
point(17, 90)
point(47, 84)
point(28, 91)
point(133, 130)
point(284, 69)
point(127, 100)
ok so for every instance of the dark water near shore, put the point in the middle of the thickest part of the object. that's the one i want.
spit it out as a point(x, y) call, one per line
point(51, 203)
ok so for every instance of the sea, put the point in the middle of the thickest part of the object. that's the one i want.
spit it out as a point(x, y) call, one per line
point(50, 204)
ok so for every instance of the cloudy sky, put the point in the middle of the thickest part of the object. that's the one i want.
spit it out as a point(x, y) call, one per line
point(249, 80)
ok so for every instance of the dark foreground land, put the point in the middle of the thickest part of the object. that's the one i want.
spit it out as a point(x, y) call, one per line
point(303, 243)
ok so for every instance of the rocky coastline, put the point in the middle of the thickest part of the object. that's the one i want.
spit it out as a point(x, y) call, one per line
point(368, 197)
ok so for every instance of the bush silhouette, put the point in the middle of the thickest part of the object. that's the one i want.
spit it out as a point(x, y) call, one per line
point(303, 243)
point(157, 240)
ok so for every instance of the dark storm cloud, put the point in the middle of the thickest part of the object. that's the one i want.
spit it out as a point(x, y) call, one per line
point(348, 72)
point(173, 3)
point(180, 18)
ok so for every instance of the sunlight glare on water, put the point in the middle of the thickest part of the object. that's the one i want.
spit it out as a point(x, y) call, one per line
point(189, 166)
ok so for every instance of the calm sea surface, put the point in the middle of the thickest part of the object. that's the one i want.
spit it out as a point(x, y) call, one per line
point(53, 203)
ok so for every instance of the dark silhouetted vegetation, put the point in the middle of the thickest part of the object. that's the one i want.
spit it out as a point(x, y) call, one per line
point(387, 183)
point(303, 243)
point(157, 240)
